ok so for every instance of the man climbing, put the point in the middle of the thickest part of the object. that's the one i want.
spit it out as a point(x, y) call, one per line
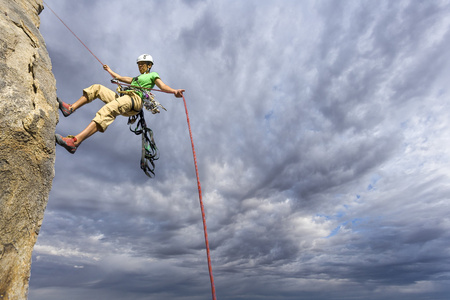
point(127, 105)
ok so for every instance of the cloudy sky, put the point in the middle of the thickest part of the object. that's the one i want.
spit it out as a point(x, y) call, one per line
point(322, 137)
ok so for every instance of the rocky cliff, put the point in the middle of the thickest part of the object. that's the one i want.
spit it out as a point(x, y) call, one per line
point(28, 116)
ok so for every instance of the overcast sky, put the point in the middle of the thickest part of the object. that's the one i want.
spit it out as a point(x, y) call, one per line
point(322, 137)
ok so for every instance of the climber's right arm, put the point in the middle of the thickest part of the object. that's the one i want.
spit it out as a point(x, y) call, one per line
point(117, 76)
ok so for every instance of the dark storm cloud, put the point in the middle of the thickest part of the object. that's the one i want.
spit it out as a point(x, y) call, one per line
point(321, 135)
point(205, 32)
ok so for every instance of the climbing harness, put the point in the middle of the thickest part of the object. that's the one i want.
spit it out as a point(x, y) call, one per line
point(211, 277)
point(148, 98)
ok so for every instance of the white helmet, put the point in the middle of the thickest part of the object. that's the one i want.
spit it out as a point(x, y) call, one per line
point(145, 58)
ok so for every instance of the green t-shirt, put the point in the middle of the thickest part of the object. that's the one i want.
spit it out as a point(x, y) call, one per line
point(146, 81)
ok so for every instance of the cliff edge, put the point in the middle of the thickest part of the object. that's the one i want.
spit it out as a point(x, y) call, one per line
point(28, 116)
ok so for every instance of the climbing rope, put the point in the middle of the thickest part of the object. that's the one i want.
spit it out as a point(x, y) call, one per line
point(211, 277)
point(213, 289)
point(73, 33)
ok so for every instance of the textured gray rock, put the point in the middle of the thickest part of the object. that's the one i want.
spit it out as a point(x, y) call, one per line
point(28, 116)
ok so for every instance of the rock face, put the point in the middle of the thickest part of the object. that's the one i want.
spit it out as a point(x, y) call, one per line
point(28, 116)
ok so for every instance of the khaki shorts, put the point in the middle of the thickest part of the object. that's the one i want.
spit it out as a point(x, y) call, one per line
point(114, 105)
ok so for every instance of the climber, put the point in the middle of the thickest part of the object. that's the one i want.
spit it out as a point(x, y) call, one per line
point(126, 105)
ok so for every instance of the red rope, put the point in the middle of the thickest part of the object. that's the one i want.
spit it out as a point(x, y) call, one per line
point(211, 277)
point(213, 289)
point(73, 33)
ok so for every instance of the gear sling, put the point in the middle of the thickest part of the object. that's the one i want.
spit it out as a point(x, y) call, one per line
point(149, 151)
